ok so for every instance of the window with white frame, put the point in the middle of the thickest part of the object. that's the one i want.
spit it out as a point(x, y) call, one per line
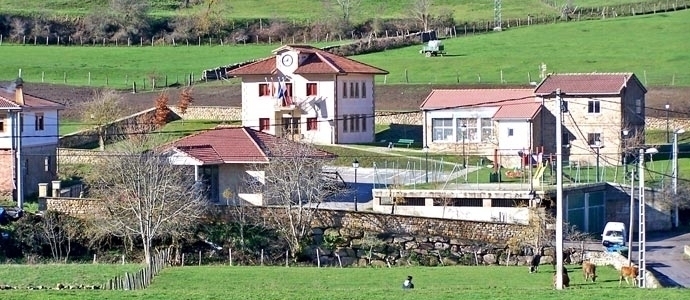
point(364, 89)
point(344, 90)
point(638, 106)
point(593, 106)
point(345, 123)
point(3, 117)
point(510, 132)
point(487, 129)
point(364, 123)
point(466, 128)
point(442, 129)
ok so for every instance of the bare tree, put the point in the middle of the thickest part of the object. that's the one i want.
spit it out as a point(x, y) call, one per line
point(132, 17)
point(103, 109)
point(421, 10)
point(59, 231)
point(347, 8)
point(146, 197)
point(294, 187)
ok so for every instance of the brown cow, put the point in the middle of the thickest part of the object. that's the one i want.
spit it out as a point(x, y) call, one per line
point(566, 278)
point(629, 272)
point(589, 270)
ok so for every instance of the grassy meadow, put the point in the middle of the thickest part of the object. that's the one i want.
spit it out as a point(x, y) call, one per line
point(657, 56)
point(67, 274)
point(295, 10)
point(494, 282)
point(587, 46)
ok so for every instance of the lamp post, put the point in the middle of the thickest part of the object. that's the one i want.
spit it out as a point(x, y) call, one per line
point(463, 130)
point(675, 175)
point(668, 133)
point(426, 164)
point(597, 145)
point(355, 165)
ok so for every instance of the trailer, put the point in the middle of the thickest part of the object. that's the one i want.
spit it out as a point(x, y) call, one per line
point(433, 48)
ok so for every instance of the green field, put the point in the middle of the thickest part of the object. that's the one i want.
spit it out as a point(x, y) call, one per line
point(605, 45)
point(651, 44)
point(248, 9)
point(67, 274)
point(495, 283)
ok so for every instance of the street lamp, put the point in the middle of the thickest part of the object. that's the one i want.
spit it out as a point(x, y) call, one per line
point(597, 145)
point(675, 175)
point(625, 152)
point(426, 163)
point(668, 138)
point(463, 130)
point(355, 165)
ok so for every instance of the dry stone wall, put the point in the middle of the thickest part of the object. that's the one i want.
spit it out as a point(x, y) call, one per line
point(216, 113)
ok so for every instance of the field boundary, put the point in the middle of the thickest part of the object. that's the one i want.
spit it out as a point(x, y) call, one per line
point(142, 278)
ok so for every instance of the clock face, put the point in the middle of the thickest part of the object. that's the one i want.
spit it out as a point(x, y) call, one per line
point(287, 60)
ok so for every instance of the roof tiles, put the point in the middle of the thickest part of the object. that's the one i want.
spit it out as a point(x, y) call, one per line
point(439, 99)
point(587, 83)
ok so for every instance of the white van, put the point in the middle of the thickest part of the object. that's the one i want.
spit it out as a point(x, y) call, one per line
point(614, 234)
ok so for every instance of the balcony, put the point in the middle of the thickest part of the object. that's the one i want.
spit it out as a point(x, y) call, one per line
point(286, 104)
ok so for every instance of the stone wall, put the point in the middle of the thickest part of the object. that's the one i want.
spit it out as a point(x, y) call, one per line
point(216, 113)
point(140, 122)
point(652, 123)
point(79, 207)
point(618, 208)
point(394, 117)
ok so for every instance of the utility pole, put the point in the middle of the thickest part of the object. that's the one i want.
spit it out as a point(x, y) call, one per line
point(559, 190)
point(632, 218)
point(675, 175)
point(642, 239)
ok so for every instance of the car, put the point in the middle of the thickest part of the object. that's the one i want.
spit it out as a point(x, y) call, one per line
point(614, 234)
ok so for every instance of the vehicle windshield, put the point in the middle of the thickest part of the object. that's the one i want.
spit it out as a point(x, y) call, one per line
point(614, 233)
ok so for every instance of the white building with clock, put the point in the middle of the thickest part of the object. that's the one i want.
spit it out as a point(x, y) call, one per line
point(307, 94)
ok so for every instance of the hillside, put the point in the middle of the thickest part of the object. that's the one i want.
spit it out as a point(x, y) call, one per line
point(652, 46)
point(461, 10)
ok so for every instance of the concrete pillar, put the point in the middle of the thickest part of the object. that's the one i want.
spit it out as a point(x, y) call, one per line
point(56, 188)
point(486, 203)
point(42, 190)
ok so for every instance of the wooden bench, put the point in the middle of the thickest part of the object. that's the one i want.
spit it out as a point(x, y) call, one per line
point(406, 142)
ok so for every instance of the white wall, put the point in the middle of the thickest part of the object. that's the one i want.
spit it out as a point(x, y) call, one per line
point(478, 112)
point(30, 136)
point(361, 106)
point(512, 215)
point(510, 145)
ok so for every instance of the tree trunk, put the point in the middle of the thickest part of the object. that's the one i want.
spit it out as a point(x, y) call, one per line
point(147, 251)
point(101, 141)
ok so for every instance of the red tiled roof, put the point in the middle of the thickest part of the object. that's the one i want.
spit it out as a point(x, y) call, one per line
point(7, 104)
point(587, 83)
point(521, 111)
point(236, 145)
point(266, 66)
point(439, 99)
point(29, 100)
point(318, 62)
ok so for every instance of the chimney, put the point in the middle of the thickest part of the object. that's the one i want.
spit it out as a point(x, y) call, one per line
point(19, 91)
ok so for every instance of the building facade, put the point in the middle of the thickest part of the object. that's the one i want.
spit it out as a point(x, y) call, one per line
point(307, 94)
point(28, 141)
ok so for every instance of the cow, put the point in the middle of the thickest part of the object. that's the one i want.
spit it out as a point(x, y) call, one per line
point(589, 270)
point(566, 278)
point(534, 263)
point(629, 272)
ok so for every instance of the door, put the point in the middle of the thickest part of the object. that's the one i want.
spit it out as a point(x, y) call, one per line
point(209, 177)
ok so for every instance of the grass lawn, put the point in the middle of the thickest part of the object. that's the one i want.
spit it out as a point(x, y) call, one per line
point(69, 126)
point(659, 137)
point(68, 274)
point(495, 283)
point(179, 129)
point(518, 51)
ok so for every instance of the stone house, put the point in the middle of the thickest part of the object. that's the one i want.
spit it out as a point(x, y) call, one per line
point(311, 95)
point(229, 158)
point(597, 108)
point(28, 141)
point(485, 122)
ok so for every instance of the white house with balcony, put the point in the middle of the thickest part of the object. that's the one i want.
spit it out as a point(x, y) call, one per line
point(28, 141)
point(307, 94)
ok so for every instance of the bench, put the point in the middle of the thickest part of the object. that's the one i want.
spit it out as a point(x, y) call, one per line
point(406, 142)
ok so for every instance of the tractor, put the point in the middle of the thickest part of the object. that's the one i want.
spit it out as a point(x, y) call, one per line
point(433, 48)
